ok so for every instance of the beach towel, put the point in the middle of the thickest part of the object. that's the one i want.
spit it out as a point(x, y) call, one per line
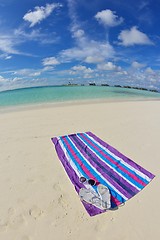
point(86, 155)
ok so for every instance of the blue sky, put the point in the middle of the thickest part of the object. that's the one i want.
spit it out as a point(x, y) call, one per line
point(79, 41)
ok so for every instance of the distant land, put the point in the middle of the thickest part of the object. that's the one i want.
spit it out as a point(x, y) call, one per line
point(107, 85)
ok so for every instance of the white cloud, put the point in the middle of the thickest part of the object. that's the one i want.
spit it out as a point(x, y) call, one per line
point(8, 57)
point(40, 13)
point(122, 72)
point(149, 70)
point(16, 79)
point(137, 65)
point(79, 68)
point(87, 76)
point(27, 72)
point(2, 79)
point(133, 36)
point(78, 33)
point(88, 51)
point(5, 56)
point(7, 44)
point(34, 35)
point(109, 66)
point(50, 61)
point(94, 59)
point(10, 42)
point(48, 68)
point(81, 71)
point(82, 68)
point(35, 74)
point(108, 18)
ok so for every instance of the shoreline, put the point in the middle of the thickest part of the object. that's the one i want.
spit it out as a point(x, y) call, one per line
point(23, 107)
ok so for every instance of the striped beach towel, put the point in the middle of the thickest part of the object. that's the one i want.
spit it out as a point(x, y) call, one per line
point(85, 154)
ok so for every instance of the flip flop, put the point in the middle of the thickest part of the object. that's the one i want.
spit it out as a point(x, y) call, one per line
point(90, 197)
point(105, 196)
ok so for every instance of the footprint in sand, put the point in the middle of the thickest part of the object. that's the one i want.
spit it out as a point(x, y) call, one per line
point(11, 211)
point(62, 202)
point(35, 212)
point(13, 221)
point(16, 221)
point(57, 187)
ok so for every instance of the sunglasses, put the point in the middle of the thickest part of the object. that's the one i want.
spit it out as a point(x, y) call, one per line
point(90, 181)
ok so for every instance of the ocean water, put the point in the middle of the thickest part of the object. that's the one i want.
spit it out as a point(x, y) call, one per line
point(54, 94)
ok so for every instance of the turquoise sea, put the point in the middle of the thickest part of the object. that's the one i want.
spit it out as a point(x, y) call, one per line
point(54, 94)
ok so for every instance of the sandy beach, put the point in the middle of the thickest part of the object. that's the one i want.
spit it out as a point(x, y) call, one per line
point(38, 200)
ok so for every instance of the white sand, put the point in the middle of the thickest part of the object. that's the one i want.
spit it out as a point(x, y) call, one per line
point(38, 200)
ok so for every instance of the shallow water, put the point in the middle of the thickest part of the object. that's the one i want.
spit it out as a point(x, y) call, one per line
point(54, 94)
